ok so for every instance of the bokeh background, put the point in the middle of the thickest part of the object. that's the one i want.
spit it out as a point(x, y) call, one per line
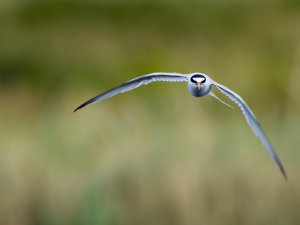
point(156, 155)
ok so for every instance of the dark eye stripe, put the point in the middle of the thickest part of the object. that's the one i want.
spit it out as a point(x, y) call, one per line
point(198, 77)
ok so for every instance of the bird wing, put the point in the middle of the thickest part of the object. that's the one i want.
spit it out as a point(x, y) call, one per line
point(135, 83)
point(253, 123)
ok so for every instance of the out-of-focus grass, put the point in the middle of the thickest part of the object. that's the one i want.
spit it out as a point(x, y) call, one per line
point(123, 163)
point(155, 155)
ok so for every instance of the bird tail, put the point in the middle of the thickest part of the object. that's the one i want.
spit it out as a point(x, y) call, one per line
point(216, 97)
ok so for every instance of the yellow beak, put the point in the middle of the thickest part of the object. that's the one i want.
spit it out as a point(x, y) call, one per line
point(198, 85)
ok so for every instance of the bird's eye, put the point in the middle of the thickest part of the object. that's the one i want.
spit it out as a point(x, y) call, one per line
point(198, 78)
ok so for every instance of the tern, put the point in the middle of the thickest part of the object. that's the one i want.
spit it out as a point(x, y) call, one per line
point(199, 84)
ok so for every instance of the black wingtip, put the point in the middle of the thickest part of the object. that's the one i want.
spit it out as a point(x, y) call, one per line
point(79, 107)
point(284, 174)
point(88, 102)
point(76, 109)
point(282, 170)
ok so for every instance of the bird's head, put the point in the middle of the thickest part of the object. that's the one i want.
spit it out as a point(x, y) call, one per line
point(198, 80)
point(199, 84)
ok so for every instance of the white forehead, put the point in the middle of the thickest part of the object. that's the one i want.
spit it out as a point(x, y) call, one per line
point(199, 79)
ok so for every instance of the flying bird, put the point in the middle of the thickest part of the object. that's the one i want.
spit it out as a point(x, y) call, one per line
point(199, 84)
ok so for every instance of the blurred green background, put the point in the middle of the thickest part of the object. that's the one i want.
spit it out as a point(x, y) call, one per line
point(155, 155)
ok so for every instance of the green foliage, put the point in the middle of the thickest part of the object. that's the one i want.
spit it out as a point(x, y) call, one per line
point(156, 155)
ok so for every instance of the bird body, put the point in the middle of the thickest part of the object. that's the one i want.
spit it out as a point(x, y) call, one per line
point(199, 85)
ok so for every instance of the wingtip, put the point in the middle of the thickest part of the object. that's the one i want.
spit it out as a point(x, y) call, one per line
point(79, 107)
point(285, 176)
point(282, 170)
point(76, 109)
